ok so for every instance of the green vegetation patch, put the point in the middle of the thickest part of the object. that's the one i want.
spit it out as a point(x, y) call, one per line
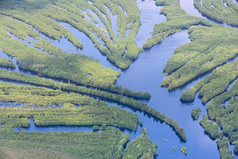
point(82, 116)
point(195, 113)
point(38, 96)
point(90, 145)
point(177, 20)
point(6, 62)
point(117, 98)
point(48, 14)
point(184, 150)
point(208, 49)
point(210, 127)
point(224, 11)
point(142, 147)
point(223, 146)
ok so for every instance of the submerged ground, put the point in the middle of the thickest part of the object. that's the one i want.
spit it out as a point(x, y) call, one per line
point(88, 73)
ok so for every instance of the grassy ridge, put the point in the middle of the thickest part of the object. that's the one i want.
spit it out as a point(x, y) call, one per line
point(69, 116)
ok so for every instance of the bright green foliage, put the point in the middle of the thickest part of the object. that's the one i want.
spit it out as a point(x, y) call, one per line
point(117, 98)
point(214, 84)
point(195, 113)
point(184, 150)
point(209, 47)
point(224, 11)
point(90, 145)
point(47, 16)
point(142, 147)
point(75, 67)
point(82, 116)
point(38, 96)
point(119, 91)
point(6, 62)
point(177, 20)
point(223, 147)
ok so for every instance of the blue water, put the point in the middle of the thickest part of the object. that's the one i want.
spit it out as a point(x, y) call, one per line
point(145, 74)
point(114, 22)
point(235, 2)
point(88, 47)
point(150, 15)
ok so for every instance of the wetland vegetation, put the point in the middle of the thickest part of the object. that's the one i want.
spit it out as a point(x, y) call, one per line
point(71, 89)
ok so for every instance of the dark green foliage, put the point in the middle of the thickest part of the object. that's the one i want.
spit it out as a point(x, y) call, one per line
point(236, 149)
point(210, 127)
point(142, 147)
point(195, 113)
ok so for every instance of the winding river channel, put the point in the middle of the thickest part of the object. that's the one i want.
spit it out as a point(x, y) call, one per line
point(145, 74)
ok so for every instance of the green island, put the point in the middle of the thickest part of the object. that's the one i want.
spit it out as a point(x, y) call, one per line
point(196, 113)
point(141, 147)
point(184, 150)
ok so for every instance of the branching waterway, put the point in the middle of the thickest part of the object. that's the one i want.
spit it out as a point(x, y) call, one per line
point(145, 74)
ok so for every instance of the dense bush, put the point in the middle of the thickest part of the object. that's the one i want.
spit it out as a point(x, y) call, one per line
point(195, 113)
point(223, 11)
